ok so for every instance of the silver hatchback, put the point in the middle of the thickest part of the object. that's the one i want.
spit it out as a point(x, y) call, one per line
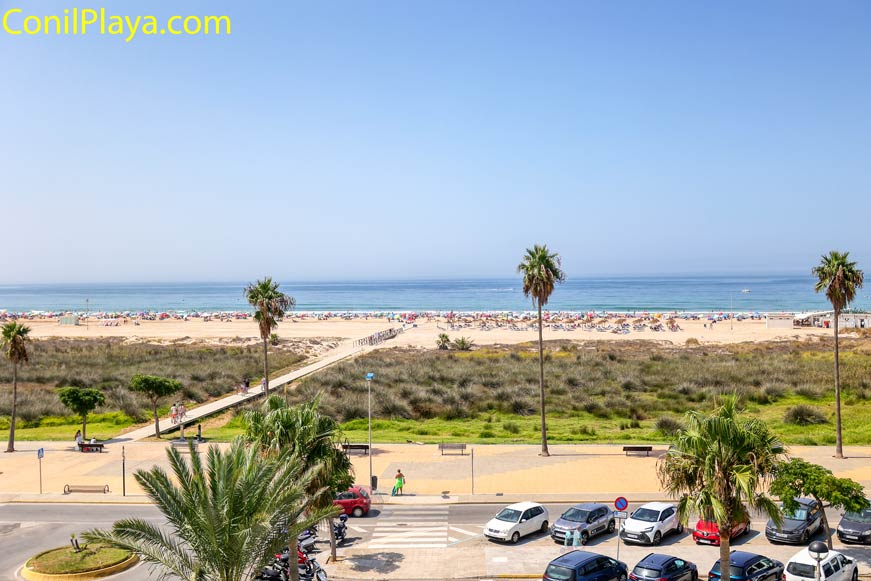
point(589, 518)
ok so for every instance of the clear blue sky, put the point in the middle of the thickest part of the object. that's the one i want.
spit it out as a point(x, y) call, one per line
point(362, 139)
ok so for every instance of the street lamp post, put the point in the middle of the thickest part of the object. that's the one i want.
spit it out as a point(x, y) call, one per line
point(818, 551)
point(369, 378)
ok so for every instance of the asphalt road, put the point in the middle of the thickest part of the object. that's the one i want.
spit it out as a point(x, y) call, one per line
point(26, 529)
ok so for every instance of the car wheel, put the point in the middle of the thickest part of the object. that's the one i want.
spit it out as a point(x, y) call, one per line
point(622, 576)
point(855, 575)
point(585, 538)
point(357, 512)
point(543, 528)
point(610, 526)
point(515, 537)
point(657, 538)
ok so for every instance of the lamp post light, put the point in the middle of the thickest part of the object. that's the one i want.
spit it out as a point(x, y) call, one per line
point(369, 378)
point(818, 551)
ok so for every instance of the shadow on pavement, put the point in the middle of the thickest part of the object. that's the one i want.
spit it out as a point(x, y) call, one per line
point(378, 562)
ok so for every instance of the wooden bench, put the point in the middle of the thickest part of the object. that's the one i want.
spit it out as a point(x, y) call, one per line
point(451, 446)
point(100, 488)
point(184, 445)
point(646, 449)
point(89, 447)
point(350, 447)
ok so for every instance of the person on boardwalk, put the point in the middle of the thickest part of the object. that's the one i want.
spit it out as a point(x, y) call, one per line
point(181, 411)
point(400, 482)
point(173, 414)
point(263, 385)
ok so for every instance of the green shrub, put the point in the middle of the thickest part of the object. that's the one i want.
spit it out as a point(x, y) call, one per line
point(668, 425)
point(804, 415)
point(511, 427)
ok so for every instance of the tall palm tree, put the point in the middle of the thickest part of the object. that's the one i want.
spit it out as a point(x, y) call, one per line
point(719, 465)
point(314, 437)
point(269, 304)
point(839, 278)
point(225, 519)
point(541, 273)
point(13, 341)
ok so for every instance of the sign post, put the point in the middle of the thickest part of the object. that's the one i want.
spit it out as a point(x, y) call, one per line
point(621, 504)
point(123, 472)
point(39, 454)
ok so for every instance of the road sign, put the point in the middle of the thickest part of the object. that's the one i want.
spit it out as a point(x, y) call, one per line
point(370, 376)
point(40, 453)
point(621, 514)
point(621, 503)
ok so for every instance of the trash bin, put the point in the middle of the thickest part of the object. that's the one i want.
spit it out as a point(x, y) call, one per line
point(374, 483)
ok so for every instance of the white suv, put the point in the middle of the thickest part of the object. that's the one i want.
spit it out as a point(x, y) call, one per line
point(651, 522)
point(835, 567)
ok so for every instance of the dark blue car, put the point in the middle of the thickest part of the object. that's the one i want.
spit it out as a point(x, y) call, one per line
point(657, 567)
point(584, 566)
point(744, 566)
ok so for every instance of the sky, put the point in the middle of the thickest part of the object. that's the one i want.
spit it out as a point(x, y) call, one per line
point(406, 139)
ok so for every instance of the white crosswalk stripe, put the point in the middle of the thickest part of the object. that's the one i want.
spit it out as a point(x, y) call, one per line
point(415, 527)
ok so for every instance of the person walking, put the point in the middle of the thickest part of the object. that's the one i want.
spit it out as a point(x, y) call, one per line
point(400, 482)
point(263, 385)
point(182, 412)
point(78, 438)
point(173, 414)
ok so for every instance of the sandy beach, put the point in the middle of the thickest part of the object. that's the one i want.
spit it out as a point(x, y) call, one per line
point(422, 333)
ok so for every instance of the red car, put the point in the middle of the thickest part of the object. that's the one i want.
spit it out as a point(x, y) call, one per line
point(354, 501)
point(708, 533)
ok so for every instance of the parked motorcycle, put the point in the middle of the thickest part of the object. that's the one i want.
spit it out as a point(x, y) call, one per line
point(340, 529)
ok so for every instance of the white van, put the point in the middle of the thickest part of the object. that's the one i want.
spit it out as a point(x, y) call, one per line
point(835, 567)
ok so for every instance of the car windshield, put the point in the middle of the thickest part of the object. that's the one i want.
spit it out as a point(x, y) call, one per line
point(645, 572)
point(862, 517)
point(509, 515)
point(558, 573)
point(798, 514)
point(734, 570)
point(801, 570)
point(576, 515)
point(364, 493)
point(646, 515)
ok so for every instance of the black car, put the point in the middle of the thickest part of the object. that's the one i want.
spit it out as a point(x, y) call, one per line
point(799, 525)
point(855, 527)
point(584, 566)
point(744, 566)
point(657, 567)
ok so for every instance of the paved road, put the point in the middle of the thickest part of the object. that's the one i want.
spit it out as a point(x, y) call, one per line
point(26, 529)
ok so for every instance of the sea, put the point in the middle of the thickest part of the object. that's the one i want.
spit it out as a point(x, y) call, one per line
point(626, 294)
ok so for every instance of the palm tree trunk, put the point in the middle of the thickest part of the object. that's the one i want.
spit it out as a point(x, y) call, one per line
point(544, 450)
point(84, 427)
point(156, 420)
point(725, 537)
point(292, 564)
point(265, 368)
point(839, 450)
point(332, 538)
point(11, 446)
point(826, 528)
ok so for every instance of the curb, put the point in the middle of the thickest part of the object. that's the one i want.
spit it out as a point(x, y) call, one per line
point(96, 574)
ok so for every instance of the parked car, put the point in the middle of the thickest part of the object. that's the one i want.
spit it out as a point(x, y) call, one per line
point(798, 526)
point(835, 567)
point(584, 566)
point(744, 566)
point(651, 522)
point(707, 532)
point(589, 518)
point(855, 527)
point(517, 520)
point(657, 567)
point(354, 501)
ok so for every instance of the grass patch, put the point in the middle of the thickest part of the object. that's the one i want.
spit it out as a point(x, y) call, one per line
point(64, 560)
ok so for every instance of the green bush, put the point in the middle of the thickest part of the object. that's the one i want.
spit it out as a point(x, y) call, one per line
point(668, 426)
point(804, 415)
point(511, 427)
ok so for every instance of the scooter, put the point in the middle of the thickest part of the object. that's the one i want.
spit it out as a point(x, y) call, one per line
point(306, 539)
point(317, 572)
point(340, 529)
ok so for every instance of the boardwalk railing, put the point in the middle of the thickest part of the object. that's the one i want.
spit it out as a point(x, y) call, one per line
point(379, 337)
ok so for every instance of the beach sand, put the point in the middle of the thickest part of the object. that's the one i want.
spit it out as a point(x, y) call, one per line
point(424, 334)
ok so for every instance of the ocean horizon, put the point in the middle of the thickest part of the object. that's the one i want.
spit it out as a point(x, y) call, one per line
point(685, 293)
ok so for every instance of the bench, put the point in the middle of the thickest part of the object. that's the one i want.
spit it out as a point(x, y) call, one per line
point(89, 447)
point(451, 446)
point(100, 488)
point(350, 447)
point(646, 449)
point(184, 445)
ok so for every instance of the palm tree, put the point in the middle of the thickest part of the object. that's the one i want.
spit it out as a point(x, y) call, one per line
point(225, 519)
point(719, 464)
point(443, 341)
point(839, 278)
point(269, 304)
point(302, 430)
point(541, 272)
point(14, 344)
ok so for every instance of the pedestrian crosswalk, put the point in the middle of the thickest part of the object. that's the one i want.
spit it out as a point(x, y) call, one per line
point(416, 527)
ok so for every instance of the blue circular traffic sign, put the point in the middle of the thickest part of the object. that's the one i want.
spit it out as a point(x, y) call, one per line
point(621, 503)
